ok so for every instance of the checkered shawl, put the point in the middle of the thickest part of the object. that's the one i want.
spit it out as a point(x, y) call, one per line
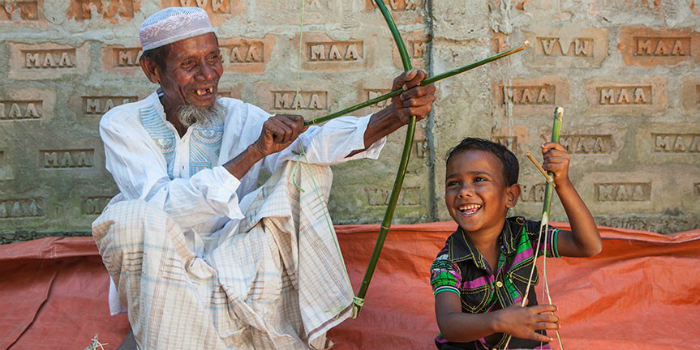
point(276, 281)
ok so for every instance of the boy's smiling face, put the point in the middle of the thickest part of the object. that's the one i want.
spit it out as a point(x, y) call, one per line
point(476, 193)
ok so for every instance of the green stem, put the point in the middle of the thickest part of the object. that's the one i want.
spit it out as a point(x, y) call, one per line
point(475, 64)
point(549, 190)
point(401, 173)
point(427, 81)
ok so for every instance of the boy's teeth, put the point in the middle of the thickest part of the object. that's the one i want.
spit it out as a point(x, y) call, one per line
point(469, 208)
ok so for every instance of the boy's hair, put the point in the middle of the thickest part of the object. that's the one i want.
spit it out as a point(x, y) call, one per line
point(511, 168)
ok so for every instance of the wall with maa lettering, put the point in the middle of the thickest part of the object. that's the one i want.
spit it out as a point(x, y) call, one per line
point(626, 72)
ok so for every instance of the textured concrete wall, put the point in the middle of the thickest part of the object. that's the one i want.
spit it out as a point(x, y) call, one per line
point(626, 72)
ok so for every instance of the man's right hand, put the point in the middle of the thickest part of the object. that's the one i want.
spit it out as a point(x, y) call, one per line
point(278, 132)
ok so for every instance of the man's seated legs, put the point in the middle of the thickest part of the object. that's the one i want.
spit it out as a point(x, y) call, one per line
point(276, 280)
point(157, 276)
point(282, 270)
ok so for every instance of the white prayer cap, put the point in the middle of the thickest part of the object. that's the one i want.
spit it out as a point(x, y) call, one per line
point(173, 24)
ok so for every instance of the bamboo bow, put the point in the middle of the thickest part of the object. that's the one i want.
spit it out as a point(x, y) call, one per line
point(358, 301)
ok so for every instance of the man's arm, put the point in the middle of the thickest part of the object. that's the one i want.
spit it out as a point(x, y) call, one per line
point(140, 170)
point(337, 140)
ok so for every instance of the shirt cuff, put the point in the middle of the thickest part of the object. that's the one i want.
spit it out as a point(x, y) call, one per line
point(446, 289)
point(358, 141)
point(554, 238)
point(227, 192)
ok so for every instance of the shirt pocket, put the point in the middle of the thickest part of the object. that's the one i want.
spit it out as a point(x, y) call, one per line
point(476, 300)
point(520, 274)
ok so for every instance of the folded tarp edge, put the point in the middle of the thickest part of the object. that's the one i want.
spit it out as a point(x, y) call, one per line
point(49, 248)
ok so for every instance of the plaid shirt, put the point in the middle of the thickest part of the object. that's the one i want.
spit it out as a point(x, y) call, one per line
point(460, 268)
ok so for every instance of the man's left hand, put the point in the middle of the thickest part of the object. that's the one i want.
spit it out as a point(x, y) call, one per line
point(415, 100)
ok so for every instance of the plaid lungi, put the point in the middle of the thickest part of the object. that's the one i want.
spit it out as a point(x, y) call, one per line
point(275, 281)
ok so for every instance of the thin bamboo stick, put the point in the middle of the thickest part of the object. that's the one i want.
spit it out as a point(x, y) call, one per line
point(540, 168)
point(427, 81)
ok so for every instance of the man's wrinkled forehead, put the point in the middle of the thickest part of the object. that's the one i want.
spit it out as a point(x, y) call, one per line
point(173, 24)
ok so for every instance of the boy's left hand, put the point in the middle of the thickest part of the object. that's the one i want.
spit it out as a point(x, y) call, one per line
point(556, 160)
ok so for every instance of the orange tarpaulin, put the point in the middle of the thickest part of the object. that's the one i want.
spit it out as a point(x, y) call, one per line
point(641, 292)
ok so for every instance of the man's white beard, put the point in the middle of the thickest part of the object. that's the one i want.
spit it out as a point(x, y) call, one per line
point(189, 114)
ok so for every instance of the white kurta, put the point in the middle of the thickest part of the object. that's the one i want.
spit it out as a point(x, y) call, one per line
point(184, 176)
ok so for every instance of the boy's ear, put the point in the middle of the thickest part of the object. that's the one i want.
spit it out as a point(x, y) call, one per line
point(512, 195)
point(151, 70)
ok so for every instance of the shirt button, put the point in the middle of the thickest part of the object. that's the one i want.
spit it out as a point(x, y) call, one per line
point(499, 284)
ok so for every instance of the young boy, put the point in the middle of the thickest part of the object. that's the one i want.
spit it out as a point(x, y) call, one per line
point(480, 277)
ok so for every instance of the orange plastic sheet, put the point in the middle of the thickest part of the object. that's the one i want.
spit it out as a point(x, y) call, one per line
point(641, 292)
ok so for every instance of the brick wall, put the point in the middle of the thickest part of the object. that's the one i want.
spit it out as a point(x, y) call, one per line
point(625, 71)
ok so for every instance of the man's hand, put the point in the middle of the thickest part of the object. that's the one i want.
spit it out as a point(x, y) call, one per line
point(556, 159)
point(415, 100)
point(278, 133)
point(521, 322)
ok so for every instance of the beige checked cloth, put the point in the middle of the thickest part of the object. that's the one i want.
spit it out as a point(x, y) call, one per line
point(275, 281)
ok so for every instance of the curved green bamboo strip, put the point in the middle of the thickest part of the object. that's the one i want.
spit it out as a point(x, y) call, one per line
point(401, 173)
point(548, 190)
point(546, 207)
point(427, 81)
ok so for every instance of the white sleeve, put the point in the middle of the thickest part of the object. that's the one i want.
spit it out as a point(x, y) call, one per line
point(140, 171)
point(329, 144)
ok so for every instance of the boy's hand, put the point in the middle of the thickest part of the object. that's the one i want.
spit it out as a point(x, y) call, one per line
point(522, 322)
point(556, 160)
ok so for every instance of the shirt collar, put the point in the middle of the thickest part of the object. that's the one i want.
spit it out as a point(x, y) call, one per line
point(154, 99)
point(462, 248)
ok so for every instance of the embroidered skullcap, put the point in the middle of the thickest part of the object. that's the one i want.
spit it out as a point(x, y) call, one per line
point(173, 24)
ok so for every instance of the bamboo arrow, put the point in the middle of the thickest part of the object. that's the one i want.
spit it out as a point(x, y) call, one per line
point(423, 83)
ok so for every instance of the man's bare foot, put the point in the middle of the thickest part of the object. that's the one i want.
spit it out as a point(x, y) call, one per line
point(129, 342)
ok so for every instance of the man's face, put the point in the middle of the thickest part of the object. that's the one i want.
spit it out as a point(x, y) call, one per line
point(193, 70)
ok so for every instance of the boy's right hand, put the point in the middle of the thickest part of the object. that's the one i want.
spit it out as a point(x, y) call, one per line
point(522, 322)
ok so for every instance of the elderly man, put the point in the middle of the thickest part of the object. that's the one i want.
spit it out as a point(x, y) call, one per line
point(198, 256)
